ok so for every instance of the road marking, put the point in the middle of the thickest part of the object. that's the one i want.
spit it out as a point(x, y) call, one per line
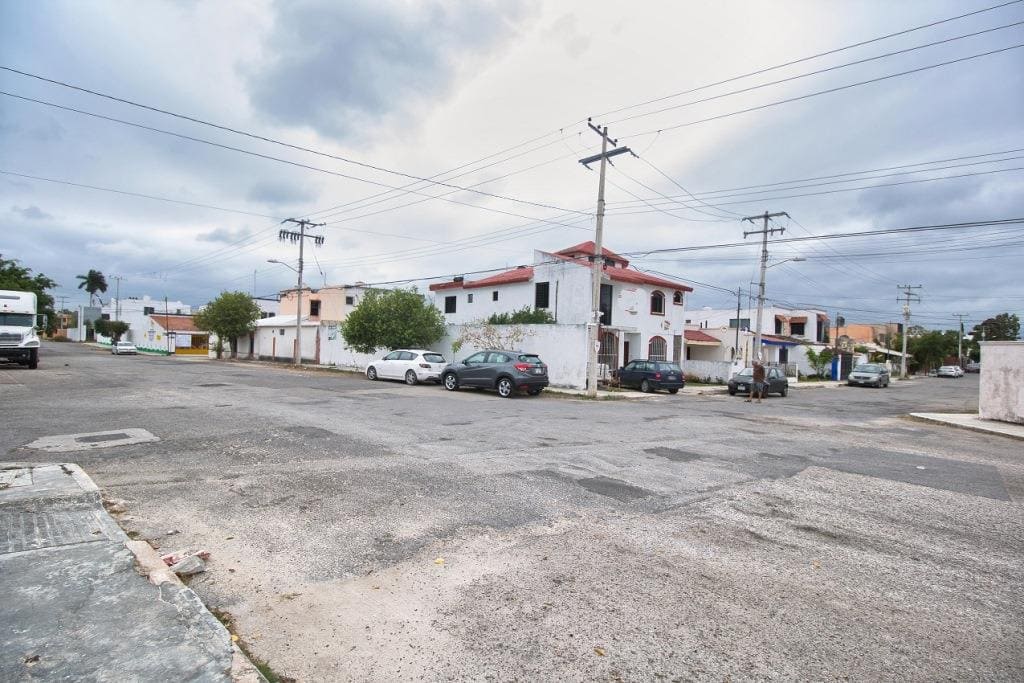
point(81, 442)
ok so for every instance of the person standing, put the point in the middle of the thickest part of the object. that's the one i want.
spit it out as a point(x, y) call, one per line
point(757, 386)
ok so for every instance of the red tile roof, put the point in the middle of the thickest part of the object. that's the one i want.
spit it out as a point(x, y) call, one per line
point(520, 274)
point(638, 278)
point(698, 336)
point(588, 249)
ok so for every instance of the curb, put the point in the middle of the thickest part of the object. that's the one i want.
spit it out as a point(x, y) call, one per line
point(966, 427)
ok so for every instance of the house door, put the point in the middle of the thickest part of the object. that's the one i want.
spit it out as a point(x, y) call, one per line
point(784, 355)
point(605, 304)
point(625, 352)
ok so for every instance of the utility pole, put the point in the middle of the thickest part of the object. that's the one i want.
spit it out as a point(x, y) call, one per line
point(765, 232)
point(906, 296)
point(736, 352)
point(117, 295)
point(960, 339)
point(300, 237)
point(597, 272)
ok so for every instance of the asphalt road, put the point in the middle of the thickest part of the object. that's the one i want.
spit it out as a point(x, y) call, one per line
point(374, 531)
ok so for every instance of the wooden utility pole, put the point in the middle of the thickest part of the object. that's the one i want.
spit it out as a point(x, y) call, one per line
point(597, 271)
point(960, 338)
point(906, 297)
point(300, 237)
point(765, 232)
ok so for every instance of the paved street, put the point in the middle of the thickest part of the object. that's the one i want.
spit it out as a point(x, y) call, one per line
point(375, 531)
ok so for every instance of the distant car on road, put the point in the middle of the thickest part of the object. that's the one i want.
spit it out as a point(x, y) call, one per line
point(973, 367)
point(412, 365)
point(776, 379)
point(123, 348)
point(950, 371)
point(651, 375)
point(868, 375)
point(506, 371)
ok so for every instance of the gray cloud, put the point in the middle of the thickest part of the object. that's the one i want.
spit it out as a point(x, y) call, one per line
point(277, 193)
point(32, 213)
point(337, 67)
point(225, 235)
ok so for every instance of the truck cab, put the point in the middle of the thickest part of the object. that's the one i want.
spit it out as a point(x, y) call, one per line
point(19, 337)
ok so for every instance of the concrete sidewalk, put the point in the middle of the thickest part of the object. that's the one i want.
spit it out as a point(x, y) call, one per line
point(974, 423)
point(75, 607)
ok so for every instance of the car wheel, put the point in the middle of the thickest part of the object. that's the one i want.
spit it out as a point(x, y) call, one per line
point(450, 381)
point(410, 378)
point(535, 392)
point(785, 390)
point(673, 391)
point(505, 387)
point(732, 392)
point(645, 386)
point(371, 373)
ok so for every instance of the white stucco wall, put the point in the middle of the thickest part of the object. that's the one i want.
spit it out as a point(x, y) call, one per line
point(1001, 394)
point(272, 344)
point(721, 317)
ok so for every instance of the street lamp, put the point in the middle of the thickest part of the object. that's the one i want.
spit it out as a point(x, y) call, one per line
point(760, 301)
point(298, 310)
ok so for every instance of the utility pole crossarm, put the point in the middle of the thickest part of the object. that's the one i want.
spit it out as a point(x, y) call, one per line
point(907, 296)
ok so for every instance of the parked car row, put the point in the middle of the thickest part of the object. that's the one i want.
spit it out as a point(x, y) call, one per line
point(507, 372)
point(950, 371)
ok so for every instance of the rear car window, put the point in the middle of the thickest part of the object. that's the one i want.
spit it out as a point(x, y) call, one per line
point(668, 367)
point(530, 358)
point(433, 358)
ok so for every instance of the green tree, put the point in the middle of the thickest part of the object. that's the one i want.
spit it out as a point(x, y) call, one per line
point(392, 319)
point(523, 316)
point(17, 277)
point(111, 328)
point(229, 316)
point(819, 360)
point(931, 349)
point(92, 282)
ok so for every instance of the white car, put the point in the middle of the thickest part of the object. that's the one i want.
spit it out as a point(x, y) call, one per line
point(122, 348)
point(412, 365)
point(950, 371)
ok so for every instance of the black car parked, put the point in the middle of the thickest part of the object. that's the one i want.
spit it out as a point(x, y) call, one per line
point(506, 371)
point(775, 378)
point(651, 375)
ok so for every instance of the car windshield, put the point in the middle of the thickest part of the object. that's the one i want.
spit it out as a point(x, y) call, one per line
point(124, 343)
point(868, 367)
point(668, 367)
point(530, 358)
point(433, 358)
point(745, 372)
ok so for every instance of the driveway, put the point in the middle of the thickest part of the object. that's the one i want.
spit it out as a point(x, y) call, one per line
point(374, 531)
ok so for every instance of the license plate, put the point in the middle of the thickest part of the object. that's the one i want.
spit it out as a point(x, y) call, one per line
point(672, 377)
point(537, 371)
point(741, 387)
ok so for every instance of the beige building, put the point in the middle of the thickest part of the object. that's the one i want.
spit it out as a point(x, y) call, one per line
point(333, 302)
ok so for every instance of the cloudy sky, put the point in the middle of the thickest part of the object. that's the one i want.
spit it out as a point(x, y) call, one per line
point(342, 108)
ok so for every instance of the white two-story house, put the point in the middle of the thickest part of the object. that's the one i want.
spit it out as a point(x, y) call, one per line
point(642, 316)
point(785, 332)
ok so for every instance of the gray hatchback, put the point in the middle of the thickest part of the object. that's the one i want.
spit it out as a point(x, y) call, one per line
point(506, 371)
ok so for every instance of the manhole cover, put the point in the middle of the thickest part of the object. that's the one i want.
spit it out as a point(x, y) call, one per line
point(97, 438)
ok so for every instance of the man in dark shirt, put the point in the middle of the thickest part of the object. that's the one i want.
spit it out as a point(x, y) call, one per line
point(758, 385)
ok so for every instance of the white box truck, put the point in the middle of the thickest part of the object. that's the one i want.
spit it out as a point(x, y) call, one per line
point(19, 337)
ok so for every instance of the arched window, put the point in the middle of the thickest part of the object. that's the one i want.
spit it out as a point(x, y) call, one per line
point(677, 298)
point(657, 303)
point(656, 349)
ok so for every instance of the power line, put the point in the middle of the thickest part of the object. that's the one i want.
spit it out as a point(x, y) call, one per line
point(277, 159)
point(274, 141)
point(816, 72)
point(825, 92)
point(814, 56)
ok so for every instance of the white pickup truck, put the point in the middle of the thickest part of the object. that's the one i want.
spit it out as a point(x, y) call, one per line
point(19, 337)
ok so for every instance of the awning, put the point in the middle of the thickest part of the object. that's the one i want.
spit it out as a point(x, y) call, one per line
point(775, 341)
point(798, 319)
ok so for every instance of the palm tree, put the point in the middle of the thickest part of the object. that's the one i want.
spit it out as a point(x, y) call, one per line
point(92, 282)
